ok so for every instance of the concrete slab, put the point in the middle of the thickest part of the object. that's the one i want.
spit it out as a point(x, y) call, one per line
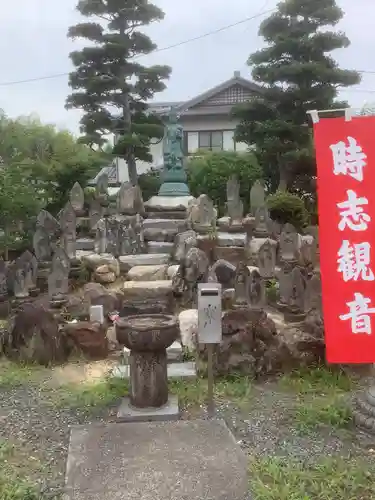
point(168, 412)
point(145, 259)
point(183, 460)
point(186, 371)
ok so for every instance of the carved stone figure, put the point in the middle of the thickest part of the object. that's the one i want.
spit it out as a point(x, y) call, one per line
point(242, 285)
point(257, 197)
point(193, 269)
point(129, 200)
point(68, 230)
point(202, 214)
point(234, 203)
point(289, 244)
point(77, 198)
point(182, 244)
point(101, 237)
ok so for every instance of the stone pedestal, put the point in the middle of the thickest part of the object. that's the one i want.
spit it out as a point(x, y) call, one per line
point(148, 379)
point(147, 337)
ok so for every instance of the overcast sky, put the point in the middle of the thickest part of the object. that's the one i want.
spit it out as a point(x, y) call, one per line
point(34, 44)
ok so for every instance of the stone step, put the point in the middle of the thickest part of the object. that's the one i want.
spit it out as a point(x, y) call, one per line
point(163, 229)
point(146, 290)
point(231, 239)
point(85, 244)
point(148, 273)
point(178, 214)
point(185, 371)
point(145, 259)
point(162, 247)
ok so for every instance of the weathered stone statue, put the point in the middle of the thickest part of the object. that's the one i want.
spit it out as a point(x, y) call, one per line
point(174, 175)
point(234, 203)
point(77, 199)
point(202, 214)
point(242, 285)
point(257, 197)
point(68, 230)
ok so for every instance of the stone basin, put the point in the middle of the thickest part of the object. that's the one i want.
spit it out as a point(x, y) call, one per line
point(147, 332)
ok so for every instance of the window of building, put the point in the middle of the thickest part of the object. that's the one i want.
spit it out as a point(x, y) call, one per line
point(211, 140)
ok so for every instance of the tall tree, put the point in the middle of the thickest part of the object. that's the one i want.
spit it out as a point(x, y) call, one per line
point(109, 84)
point(297, 74)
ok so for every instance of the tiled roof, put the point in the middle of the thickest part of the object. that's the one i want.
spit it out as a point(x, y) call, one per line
point(111, 171)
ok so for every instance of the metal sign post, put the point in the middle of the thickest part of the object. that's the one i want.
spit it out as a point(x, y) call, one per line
point(209, 330)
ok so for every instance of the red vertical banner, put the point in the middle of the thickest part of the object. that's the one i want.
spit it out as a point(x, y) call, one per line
point(345, 155)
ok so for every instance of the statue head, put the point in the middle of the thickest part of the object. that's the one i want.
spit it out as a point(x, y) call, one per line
point(173, 116)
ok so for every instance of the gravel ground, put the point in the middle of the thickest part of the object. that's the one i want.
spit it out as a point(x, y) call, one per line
point(263, 429)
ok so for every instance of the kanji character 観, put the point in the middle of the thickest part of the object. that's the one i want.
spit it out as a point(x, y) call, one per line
point(348, 159)
point(359, 314)
point(352, 213)
point(354, 261)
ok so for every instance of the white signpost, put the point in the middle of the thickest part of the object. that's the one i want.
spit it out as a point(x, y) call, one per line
point(209, 329)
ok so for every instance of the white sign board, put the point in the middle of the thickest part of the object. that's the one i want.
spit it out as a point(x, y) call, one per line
point(209, 313)
point(96, 314)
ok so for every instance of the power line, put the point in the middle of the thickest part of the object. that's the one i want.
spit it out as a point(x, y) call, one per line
point(178, 44)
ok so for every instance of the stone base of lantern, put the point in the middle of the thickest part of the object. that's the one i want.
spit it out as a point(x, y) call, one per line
point(169, 411)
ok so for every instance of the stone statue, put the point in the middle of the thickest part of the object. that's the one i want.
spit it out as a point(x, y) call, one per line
point(174, 175)
point(234, 203)
point(172, 146)
point(242, 285)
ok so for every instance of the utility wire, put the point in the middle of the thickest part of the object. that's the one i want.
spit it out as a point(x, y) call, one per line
point(178, 44)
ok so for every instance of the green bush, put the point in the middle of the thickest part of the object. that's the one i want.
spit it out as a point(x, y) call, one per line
point(150, 183)
point(286, 207)
point(208, 174)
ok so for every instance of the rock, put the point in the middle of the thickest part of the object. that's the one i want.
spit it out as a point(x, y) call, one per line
point(188, 321)
point(162, 247)
point(225, 273)
point(96, 294)
point(104, 275)
point(78, 307)
point(172, 270)
point(89, 338)
point(35, 337)
point(94, 261)
point(250, 345)
point(163, 230)
point(148, 273)
point(147, 297)
point(147, 259)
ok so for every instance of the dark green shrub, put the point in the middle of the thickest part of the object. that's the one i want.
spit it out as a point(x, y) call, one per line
point(208, 174)
point(286, 207)
point(150, 183)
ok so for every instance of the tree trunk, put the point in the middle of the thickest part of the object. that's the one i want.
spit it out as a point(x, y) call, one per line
point(283, 182)
point(127, 119)
point(6, 242)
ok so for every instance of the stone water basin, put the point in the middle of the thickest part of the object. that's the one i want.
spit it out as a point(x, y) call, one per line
point(147, 332)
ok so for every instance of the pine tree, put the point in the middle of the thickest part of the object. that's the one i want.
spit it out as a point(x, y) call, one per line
point(297, 74)
point(109, 84)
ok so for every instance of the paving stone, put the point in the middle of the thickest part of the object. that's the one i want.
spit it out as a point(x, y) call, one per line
point(170, 411)
point(182, 460)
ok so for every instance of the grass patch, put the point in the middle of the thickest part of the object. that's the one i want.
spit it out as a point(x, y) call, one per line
point(194, 393)
point(331, 479)
point(13, 485)
point(15, 375)
point(320, 379)
point(319, 411)
point(98, 394)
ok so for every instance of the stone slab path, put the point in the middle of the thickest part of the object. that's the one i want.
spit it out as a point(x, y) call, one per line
point(183, 460)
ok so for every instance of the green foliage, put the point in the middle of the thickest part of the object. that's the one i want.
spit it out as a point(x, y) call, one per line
point(39, 167)
point(209, 173)
point(109, 84)
point(296, 73)
point(150, 183)
point(286, 207)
